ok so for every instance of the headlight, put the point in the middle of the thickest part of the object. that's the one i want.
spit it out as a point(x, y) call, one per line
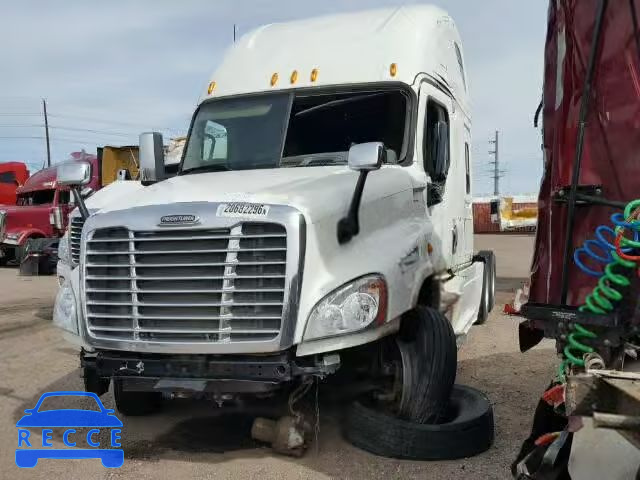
point(64, 309)
point(350, 308)
point(63, 249)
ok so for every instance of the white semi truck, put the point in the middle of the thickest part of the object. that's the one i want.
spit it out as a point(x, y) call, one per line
point(320, 221)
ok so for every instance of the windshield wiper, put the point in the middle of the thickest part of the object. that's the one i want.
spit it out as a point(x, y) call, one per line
point(322, 162)
point(334, 103)
point(205, 168)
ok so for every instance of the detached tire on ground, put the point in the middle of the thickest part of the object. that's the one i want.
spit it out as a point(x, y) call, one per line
point(468, 431)
point(135, 404)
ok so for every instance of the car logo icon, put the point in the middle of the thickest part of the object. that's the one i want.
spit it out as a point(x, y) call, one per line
point(169, 220)
point(33, 446)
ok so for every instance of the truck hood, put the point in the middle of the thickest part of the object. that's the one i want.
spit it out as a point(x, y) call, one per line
point(111, 193)
point(20, 218)
point(317, 192)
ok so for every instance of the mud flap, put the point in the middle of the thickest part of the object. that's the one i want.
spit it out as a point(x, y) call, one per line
point(528, 336)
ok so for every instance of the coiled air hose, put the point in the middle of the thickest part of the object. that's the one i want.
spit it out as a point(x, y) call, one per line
point(606, 293)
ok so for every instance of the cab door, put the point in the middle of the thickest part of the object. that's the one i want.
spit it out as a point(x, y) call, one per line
point(467, 220)
point(438, 154)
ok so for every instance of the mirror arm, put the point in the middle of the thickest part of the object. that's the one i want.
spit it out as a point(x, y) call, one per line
point(349, 226)
point(82, 207)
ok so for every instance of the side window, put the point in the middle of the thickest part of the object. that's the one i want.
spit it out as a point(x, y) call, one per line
point(436, 142)
point(467, 167)
point(461, 66)
point(64, 197)
point(436, 148)
point(8, 177)
point(214, 142)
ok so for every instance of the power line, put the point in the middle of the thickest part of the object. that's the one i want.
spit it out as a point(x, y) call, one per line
point(90, 119)
point(90, 130)
point(109, 122)
point(53, 139)
point(12, 137)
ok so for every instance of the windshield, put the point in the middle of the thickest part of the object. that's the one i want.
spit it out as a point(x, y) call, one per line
point(249, 132)
point(37, 197)
point(238, 134)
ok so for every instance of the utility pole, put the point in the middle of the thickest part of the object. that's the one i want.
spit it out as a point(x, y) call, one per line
point(234, 33)
point(46, 131)
point(496, 165)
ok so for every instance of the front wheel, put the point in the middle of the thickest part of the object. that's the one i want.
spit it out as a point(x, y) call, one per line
point(488, 286)
point(425, 366)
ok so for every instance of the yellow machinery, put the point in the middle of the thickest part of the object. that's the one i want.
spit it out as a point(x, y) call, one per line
point(115, 159)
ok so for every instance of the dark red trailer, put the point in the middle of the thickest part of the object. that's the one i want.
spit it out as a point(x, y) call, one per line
point(580, 190)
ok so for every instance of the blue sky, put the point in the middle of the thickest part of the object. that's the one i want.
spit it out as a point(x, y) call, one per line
point(110, 70)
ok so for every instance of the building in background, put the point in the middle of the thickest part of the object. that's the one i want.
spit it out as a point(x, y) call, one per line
point(505, 214)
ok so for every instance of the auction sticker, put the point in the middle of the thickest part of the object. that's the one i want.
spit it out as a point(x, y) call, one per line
point(239, 209)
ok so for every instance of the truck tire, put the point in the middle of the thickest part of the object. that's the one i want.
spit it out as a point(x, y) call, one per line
point(488, 286)
point(135, 404)
point(428, 355)
point(468, 431)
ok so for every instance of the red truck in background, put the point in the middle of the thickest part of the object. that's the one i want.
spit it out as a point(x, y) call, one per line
point(12, 176)
point(41, 210)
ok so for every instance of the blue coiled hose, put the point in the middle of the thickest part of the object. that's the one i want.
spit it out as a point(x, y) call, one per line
point(601, 249)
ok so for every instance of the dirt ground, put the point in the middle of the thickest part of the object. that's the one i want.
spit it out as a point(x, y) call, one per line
point(197, 440)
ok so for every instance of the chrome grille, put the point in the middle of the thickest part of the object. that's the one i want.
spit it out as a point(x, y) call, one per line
point(75, 234)
point(186, 285)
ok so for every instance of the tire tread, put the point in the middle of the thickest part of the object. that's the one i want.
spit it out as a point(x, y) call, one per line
point(388, 436)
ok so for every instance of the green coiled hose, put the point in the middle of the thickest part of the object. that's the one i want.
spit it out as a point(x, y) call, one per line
point(601, 300)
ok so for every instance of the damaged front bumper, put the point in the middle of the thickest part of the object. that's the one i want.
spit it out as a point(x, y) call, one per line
point(202, 373)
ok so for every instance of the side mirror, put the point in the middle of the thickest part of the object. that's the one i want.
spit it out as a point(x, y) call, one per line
point(440, 166)
point(366, 156)
point(362, 158)
point(151, 155)
point(441, 151)
point(74, 174)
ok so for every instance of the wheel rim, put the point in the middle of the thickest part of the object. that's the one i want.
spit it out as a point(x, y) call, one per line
point(405, 377)
point(395, 397)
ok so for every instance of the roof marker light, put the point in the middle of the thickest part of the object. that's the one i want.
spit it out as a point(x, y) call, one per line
point(314, 74)
point(211, 87)
point(393, 69)
point(294, 77)
point(274, 79)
